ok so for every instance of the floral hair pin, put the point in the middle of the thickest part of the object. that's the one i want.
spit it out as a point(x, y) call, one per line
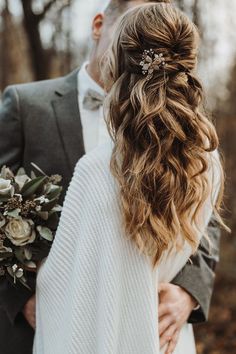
point(151, 62)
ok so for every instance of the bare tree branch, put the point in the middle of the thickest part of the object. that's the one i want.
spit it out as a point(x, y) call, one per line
point(64, 6)
point(46, 8)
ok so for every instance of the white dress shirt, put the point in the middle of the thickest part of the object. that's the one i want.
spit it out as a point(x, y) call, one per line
point(94, 127)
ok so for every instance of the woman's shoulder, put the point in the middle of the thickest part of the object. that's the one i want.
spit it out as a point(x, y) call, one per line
point(92, 174)
point(96, 160)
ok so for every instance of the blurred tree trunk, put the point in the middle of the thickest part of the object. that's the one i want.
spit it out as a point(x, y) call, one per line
point(39, 56)
point(196, 12)
point(195, 9)
point(9, 57)
point(4, 46)
point(13, 45)
point(226, 127)
point(68, 42)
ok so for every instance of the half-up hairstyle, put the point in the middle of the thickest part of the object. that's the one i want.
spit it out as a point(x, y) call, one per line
point(162, 137)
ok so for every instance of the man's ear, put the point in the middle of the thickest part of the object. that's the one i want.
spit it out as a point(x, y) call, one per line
point(97, 26)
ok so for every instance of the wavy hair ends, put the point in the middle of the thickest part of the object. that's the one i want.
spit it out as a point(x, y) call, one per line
point(162, 137)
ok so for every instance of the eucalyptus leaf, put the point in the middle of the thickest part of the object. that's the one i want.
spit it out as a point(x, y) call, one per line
point(4, 199)
point(38, 169)
point(48, 188)
point(30, 264)
point(33, 175)
point(21, 172)
point(54, 192)
point(14, 213)
point(57, 209)
point(43, 215)
point(45, 232)
point(50, 205)
point(4, 255)
point(28, 253)
point(32, 186)
point(2, 220)
point(20, 254)
point(21, 180)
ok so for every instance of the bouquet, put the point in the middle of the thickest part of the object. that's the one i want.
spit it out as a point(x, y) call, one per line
point(29, 215)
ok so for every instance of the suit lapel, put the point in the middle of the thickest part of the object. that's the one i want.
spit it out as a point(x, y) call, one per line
point(68, 121)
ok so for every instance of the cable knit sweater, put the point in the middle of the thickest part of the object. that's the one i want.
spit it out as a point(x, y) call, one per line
point(96, 294)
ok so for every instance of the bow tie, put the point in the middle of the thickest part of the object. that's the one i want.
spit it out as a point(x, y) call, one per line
point(92, 100)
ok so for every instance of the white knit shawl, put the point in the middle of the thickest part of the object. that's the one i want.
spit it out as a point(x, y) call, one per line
point(95, 293)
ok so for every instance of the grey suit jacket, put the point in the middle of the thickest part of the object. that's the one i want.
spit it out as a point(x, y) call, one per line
point(40, 123)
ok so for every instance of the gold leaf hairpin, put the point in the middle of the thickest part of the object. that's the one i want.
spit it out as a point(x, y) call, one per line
point(151, 62)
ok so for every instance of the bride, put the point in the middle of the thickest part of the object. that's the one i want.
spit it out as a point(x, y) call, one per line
point(136, 207)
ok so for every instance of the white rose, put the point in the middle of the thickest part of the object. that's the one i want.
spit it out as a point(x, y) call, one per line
point(6, 189)
point(20, 231)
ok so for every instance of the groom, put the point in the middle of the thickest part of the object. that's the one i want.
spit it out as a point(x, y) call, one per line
point(53, 123)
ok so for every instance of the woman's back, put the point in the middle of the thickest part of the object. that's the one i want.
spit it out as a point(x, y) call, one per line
point(95, 285)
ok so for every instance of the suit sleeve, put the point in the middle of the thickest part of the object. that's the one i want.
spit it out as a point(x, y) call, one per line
point(12, 298)
point(11, 135)
point(198, 276)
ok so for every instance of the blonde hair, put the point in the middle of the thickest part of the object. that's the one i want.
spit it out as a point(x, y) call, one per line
point(161, 135)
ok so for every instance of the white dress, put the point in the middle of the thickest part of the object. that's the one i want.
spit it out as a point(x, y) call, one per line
point(95, 293)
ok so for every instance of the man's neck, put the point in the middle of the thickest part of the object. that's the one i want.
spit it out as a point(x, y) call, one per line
point(93, 72)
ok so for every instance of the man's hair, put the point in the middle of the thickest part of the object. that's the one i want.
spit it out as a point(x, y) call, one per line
point(116, 8)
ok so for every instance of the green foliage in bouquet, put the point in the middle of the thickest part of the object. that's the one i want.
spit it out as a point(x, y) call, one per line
point(29, 216)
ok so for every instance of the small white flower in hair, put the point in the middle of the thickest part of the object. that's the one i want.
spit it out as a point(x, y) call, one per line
point(151, 62)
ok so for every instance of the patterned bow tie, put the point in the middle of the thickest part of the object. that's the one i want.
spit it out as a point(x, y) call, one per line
point(92, 100)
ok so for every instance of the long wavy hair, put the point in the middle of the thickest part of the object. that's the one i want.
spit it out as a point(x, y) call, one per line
point(160, 131)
